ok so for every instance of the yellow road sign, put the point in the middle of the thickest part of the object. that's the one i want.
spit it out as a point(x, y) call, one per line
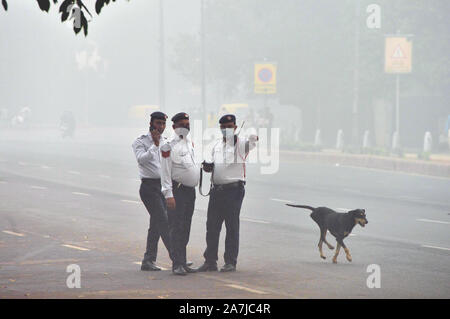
point(397, 55)
point(265, 78)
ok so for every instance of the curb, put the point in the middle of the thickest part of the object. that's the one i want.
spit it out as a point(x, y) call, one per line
point(377, 162)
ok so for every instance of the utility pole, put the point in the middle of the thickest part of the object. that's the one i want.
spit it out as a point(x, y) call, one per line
point(356, 76)
point(162, 93)
point(203, 62)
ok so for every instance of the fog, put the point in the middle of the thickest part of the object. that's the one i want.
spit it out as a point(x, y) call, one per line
point(340, 124)
point(316, 45)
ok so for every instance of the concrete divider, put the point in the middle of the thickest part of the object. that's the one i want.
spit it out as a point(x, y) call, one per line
point(370, 161)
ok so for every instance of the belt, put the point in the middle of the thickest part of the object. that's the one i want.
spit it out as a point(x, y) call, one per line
point(219, 187)
point(151, 180)
point(176, 184)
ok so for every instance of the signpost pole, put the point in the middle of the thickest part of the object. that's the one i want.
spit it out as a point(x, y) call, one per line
point(397, 107)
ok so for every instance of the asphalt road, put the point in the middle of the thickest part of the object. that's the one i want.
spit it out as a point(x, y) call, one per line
point(76, 201)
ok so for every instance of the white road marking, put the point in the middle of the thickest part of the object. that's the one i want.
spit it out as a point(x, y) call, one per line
point(344, 210)
point(81, 194)
point(75, 247)
point(432, 221)
point(22, 163)
point(139, 263)
point(38, 187)
point(104, 176)
point(74, 172)
point(281, 200)
point(435, 247)
point(3, 182)
point(13, 233)
point(45, 166)
point(352, 235)
point(255, 291)
point(130, 201)
point(255, 221)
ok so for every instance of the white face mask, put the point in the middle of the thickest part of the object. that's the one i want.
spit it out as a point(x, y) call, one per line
point(228, 133)
point(181, 131)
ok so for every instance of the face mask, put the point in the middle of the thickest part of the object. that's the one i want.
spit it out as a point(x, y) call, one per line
point(182, 131)
point(227, 133)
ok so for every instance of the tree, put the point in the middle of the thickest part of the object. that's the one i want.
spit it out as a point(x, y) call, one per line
point(71, 9)
point(313, 43)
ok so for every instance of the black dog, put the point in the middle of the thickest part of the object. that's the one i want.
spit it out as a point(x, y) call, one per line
point(340, 226)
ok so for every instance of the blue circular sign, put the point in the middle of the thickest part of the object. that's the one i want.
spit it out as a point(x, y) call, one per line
point(265, 75)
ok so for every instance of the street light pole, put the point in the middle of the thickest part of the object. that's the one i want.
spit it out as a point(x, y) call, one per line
point(203, 64)
point(356, 77)
point(162, 92)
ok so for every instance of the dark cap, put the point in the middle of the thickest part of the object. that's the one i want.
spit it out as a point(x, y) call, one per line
point(158, 115)
point(180, 116)
point(227, 118)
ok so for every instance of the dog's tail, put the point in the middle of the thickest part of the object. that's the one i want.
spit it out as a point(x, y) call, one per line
point(302, 206)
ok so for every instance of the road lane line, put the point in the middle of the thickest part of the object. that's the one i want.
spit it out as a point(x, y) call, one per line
point(104, 176)
point(3, 182)
point(130, 201)
point(45, 166)
point(344, 210)
point(74, 172)
point(37, 187)
point(432, 221)
point(139, 263)
point(255, 291)
point(281, 200)
point(435, 247)
point(75, 247)
point(81, 194)
point(13, 233)
point(22, 163)
point(255, 221)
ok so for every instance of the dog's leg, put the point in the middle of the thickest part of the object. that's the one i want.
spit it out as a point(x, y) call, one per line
point(347, 254)
point(347, 251)
point(338, 248)
point(323, 232)
point(325, 240)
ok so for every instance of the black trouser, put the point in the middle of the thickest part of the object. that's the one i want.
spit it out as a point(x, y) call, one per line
point(180, 221)
point(154, 201)
point(224, 205)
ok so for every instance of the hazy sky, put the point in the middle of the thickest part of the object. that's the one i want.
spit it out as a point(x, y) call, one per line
point(45, 66)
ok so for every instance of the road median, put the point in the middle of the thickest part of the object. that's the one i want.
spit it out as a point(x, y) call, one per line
point(412, 166)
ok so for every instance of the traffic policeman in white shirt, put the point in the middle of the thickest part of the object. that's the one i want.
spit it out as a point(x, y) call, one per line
point(146, 149)
point(228, 177)
point(179, 177)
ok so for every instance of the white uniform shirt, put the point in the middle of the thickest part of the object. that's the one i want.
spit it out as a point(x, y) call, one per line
point(178, 164)
point(148, 156)
point(229, 160)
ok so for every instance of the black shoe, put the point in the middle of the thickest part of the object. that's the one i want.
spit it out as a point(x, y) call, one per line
point(228, 268)
point(189, 270)
point(149, 266)
point(189, 263)
point(179, 271)
point(207, 267)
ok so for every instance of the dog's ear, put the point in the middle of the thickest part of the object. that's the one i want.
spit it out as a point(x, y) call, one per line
point(364, 211)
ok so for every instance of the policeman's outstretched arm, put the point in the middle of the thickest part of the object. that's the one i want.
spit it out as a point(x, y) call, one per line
point(251, 143)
